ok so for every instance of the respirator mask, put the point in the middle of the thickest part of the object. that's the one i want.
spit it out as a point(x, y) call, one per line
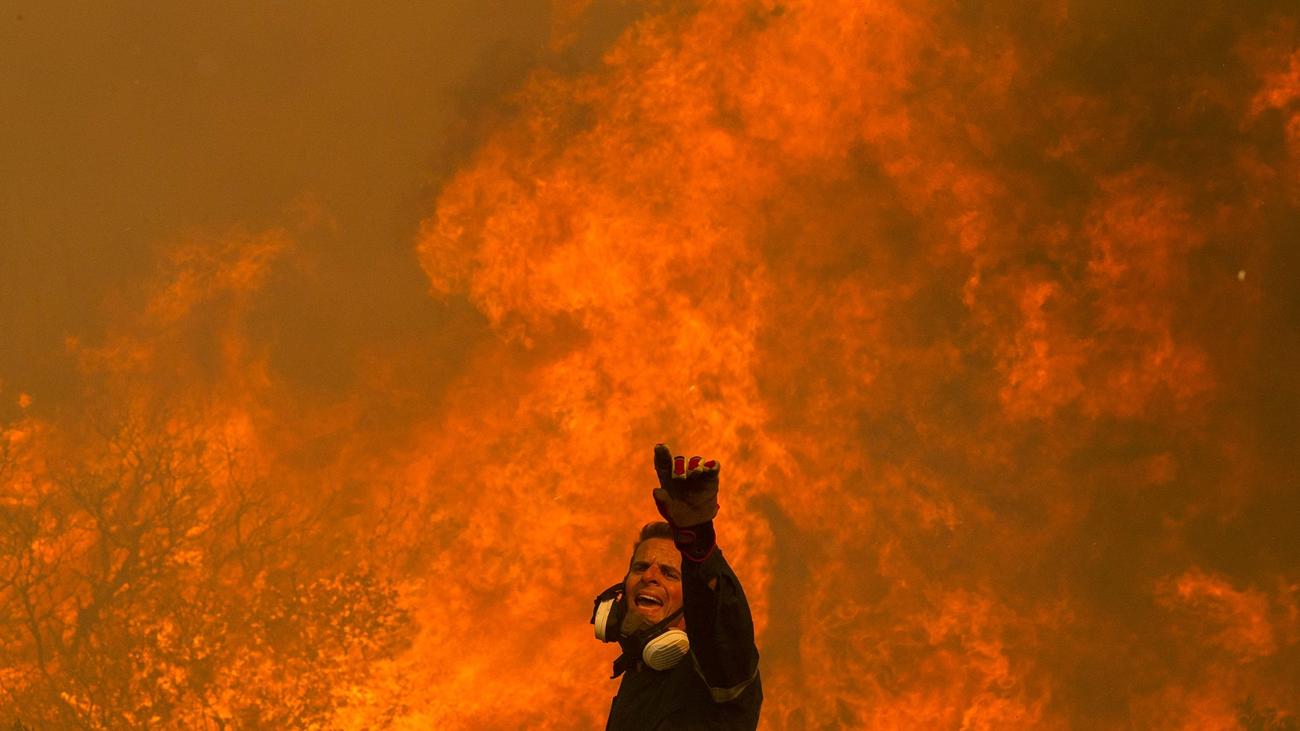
point(658, 646)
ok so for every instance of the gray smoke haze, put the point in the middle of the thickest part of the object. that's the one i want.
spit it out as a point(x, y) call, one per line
point(133, 127)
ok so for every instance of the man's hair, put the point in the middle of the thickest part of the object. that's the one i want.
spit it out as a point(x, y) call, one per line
point(657, 529)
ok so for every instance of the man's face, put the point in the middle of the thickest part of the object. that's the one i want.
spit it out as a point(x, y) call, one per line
point(653, 587)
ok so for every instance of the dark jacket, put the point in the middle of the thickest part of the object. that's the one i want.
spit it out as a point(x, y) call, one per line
point(717, 685)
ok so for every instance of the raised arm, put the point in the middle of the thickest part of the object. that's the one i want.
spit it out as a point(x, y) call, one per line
point(718, 620)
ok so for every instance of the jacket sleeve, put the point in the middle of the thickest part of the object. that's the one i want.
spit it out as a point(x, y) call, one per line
point(719, 625)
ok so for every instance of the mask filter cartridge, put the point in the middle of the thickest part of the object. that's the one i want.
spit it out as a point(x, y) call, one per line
point(658, 646)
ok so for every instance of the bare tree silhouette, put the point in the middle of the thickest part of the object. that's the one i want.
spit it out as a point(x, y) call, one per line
point(149, 579)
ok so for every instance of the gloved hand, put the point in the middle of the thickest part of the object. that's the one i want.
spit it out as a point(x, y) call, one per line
point(687, 495)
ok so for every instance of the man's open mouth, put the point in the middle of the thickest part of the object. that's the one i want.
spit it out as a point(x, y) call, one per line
point(645, 600)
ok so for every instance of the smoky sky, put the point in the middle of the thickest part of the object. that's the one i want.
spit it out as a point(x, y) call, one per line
point(133, 127)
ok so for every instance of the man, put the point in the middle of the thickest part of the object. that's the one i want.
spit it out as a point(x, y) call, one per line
point(677, 580)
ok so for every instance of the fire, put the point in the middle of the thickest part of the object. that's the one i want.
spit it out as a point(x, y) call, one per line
point(956, 305)
point(801, 230)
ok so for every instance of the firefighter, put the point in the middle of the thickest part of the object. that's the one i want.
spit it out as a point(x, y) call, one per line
point(680, 616)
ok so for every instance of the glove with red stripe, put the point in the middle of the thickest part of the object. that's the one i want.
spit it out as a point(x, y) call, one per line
point(687, 497)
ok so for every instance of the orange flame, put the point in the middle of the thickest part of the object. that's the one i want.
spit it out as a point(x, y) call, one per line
point(989, 337)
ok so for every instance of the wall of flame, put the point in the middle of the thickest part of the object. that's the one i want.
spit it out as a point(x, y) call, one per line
point(989, 314)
